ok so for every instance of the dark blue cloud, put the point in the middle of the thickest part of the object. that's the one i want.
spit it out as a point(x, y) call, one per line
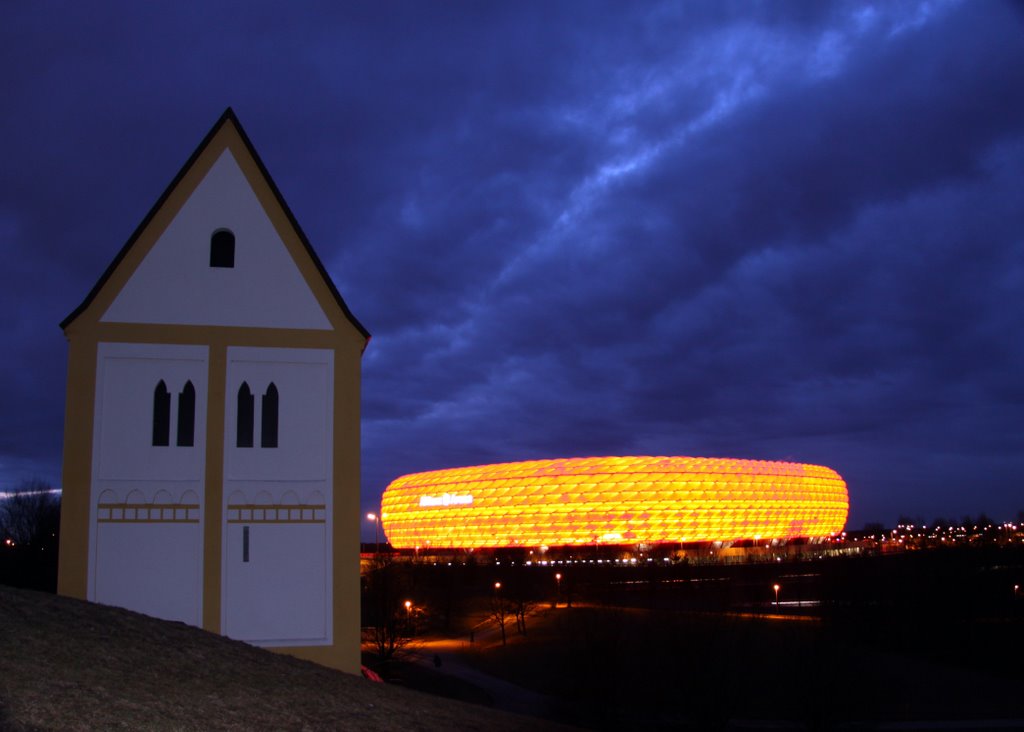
point(785, 231)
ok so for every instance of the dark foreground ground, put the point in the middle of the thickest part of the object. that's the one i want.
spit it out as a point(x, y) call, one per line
point(71, 665)
point(923, 640)
point(618, 669)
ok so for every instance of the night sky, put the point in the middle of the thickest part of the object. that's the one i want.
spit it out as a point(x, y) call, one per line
point(777, 230)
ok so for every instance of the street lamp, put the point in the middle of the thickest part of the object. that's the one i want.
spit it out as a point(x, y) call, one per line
point(376, 533)
point(776, 588)
point(408, 616)
point(558, 587)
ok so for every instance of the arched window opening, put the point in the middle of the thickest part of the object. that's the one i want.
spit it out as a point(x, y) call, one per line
point(245, 416)
point(268, 415)
point(222, 248)
point(187, 416)
point(161, 415)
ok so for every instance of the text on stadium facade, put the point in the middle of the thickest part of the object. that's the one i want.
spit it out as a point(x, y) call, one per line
point(447, 499)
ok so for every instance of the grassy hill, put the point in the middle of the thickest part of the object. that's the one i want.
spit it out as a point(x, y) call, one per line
point(72, 665)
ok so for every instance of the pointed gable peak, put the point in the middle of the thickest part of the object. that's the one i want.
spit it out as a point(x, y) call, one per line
point(168, 271)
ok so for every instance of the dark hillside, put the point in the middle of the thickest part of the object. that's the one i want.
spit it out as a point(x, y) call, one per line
point(72, 665)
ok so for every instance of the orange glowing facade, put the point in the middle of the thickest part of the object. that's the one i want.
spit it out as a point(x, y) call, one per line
point(613, 500)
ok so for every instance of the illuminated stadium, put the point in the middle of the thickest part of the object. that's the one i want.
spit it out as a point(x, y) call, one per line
point(613, 500)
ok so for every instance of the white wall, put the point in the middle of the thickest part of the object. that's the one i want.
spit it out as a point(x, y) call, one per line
point(278, 597)
point(304, 380)
point(149, 559)
point(127, 375)
point(175, 283)
point(142, 559)
point(282, 595)
point(152, 568)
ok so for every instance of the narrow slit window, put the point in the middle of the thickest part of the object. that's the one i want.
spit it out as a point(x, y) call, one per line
point(161, 415)
point(268, 417)
point(187, 416)
point(245, 543)
point(245, 416)
point(222, 248)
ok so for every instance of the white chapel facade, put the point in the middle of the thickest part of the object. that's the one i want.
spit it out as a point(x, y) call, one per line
point(211, 446)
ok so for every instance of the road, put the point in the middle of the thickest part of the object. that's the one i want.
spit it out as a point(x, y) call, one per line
point(451, 652)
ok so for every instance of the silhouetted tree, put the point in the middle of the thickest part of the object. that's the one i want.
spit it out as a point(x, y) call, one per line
point(30, 514)
point(29, 536)
point(501, 609)
point(522, 608)
point(384, 595)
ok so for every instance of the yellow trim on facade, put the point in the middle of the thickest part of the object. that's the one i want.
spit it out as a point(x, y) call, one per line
point(276, 506)
point(86, 330)
point(76, 471)
point(346, 651)
point(263, 513)
point(147, 513)
point(217, 335)
point(261, 522)
point(114, 504)
point(146, 521)
point(214, 485)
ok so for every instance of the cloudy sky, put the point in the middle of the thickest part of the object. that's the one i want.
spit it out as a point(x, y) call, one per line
point(771, 230)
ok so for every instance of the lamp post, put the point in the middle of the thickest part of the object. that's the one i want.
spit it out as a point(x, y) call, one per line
point(376, 533)
point(776, 588)
point(408, 617)
point(558, 587)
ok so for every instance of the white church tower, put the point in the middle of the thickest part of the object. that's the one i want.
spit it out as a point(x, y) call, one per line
point(211, 445)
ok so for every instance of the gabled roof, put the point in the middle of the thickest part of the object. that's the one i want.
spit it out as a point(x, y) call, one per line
point(228, 118)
